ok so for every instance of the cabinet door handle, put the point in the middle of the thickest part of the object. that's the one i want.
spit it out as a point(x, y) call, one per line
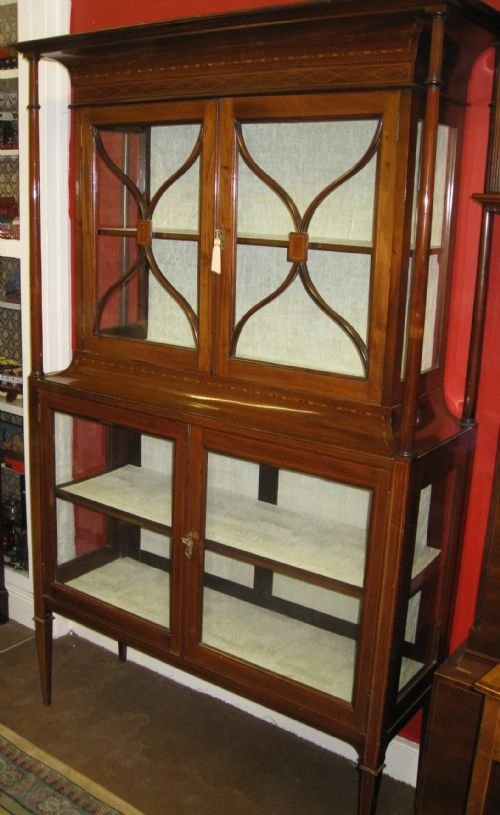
point(188, 542)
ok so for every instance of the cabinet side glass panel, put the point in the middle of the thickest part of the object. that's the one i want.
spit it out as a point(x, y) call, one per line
point(305, 220)
point(440, 234)
point(147, 225)
point(114, 515)
point(285, 554)
point(436, 508)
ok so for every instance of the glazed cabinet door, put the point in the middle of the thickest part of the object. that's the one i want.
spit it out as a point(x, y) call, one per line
point(116, 489)
point(318, 211)
point(282, 545)
point(147, 180)
point(312, 190)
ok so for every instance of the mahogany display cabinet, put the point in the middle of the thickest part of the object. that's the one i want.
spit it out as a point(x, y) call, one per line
point(248, 469)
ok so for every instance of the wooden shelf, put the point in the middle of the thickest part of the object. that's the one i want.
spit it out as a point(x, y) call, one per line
point(303, 652)
point(243, 528)
point(10, 248)
point(130, 585)
point(335, 551)
point(249, 527)
point(363, 247)
point(299, 651)
point(136, 492)
point(246, 527)
point(16, 407)
point(9, 73)
point(131, 231)
point(281, 535)
point(319, 243)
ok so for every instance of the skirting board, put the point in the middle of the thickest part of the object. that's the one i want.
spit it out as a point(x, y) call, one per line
point(20, 598)
point(402, 754)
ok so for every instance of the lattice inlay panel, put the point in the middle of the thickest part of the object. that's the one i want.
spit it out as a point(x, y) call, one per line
point(9, 176)
point(9, 272)
point(10, 333)
point(10, 320)
point(8, 95)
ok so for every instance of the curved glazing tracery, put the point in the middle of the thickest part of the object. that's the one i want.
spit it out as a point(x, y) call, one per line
point(146, 207)
point(137, 195)
point(301, 223)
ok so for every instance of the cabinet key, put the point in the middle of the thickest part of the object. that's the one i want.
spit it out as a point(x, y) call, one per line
point(188, 542)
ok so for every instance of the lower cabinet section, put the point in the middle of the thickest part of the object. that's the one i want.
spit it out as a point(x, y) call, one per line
point(309, 580)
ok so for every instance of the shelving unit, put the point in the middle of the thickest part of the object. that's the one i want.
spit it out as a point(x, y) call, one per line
point(14, 534)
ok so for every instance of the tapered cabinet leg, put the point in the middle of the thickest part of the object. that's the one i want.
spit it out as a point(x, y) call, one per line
point(43, 631)
point(122, 652)
point(369, 786)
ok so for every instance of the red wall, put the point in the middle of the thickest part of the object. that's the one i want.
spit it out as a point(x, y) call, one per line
point(488, 408)
point(88, 15)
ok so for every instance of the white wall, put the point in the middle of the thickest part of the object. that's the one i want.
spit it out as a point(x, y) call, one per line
point(42, 18)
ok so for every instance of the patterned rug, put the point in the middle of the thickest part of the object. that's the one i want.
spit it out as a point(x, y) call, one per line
point(34, 783)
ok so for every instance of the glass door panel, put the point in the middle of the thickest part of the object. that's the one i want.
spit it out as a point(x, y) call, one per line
point(303, 642)
point(305, 231)
point(147, 222)
point(285, 554)
point(300, 330)
point(315, 174)
point(437, 508)
point(114, 515)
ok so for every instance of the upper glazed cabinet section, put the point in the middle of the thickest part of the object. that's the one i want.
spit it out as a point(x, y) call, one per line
point(274, 256)
point(254, 192)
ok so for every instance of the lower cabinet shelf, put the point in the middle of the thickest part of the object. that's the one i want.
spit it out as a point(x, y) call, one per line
point(129, 585)
point(248, 526)
point(308, 654)
point(136, 491)
point(289, 648)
